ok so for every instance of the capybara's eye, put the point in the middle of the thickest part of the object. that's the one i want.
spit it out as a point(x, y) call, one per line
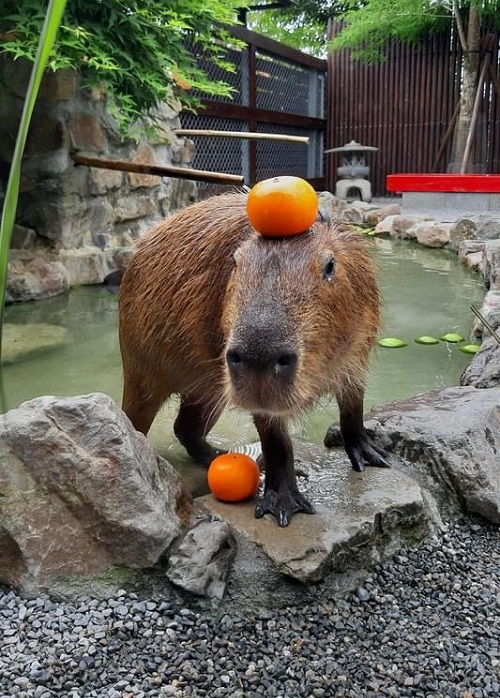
point(329, 269)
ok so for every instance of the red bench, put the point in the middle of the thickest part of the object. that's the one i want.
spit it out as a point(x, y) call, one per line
point(460, 183)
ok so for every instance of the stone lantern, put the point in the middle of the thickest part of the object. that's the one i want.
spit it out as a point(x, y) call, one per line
point(353, 172)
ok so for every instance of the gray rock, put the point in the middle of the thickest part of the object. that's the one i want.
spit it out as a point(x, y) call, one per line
point(430, 233)
point(373, 218)
point(86, 265)
point(81, 491)
point(490, 310)
point(491, 264)
point(470, 252)
point(201, 560)
point(34, 276)
point(403, 226)
point(484, 369)
point(22, 237)
point(357, 211)
point(385, 225)
point(450, 440)
point(329, 203)
point(480, 226)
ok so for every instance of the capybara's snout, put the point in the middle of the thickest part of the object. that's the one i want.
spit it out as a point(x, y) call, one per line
point(261, 369)
point(278, 361)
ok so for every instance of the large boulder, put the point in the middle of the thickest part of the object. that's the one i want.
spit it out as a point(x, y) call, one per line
point(450, 441)
point(81, 492)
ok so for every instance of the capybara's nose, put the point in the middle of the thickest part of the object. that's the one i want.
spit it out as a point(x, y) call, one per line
point(279, 361)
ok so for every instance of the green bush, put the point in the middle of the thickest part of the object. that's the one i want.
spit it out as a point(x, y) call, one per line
point(137, 50)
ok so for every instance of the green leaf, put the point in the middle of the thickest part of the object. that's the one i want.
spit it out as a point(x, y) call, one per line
point(452, 337)
point(470, 348)
point(391, 343)
point(426, 339)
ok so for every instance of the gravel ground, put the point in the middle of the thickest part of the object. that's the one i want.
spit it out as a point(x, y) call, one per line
point(426, 623)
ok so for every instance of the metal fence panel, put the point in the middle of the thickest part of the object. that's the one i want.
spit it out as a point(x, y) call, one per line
point(277, 91)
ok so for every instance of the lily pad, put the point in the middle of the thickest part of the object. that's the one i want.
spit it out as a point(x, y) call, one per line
point(470, 348)
point(392, 343)
point(426, 339)
point(452, 337)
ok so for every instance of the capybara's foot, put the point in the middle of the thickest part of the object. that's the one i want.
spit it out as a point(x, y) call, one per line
point(203, 453)
point(283, 505)
point(365, 452)
point(333, 436)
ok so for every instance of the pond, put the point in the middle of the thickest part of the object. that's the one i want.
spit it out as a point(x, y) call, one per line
point(425, 292)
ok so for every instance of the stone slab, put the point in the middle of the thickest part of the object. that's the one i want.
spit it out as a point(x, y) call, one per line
point(452, 201)
point(360, 516)
point(24, 341)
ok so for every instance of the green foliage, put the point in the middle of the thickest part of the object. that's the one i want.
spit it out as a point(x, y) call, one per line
point(137, 50)
point(369, 24)
point(47, 35)
point(292, 26)
point(368, 30)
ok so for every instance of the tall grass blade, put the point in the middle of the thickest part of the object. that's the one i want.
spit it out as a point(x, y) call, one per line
point(50, 28)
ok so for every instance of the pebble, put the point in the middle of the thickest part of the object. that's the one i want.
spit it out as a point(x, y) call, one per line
point(425, 623)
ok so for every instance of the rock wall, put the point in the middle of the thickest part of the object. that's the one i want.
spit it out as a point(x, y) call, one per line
point(76, 223)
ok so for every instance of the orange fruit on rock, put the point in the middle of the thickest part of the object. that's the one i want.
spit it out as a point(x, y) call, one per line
point(233, 477)
point(282, 206)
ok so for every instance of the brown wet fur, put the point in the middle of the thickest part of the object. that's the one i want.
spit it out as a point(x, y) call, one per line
point(185, 301)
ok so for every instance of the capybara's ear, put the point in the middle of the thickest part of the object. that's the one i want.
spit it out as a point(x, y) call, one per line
point(324, 213)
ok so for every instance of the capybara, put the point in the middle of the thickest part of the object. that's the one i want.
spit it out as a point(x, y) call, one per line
point(211, 310)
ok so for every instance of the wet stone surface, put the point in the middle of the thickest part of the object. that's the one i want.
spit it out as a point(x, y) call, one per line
point(360, 518)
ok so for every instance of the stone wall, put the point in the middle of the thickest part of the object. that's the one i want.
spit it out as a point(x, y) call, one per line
point(76, 224)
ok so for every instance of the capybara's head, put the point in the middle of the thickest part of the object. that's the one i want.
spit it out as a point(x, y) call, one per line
point(300, 316)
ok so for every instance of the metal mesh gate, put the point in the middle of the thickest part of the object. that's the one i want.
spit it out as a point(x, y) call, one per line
point(277, 91)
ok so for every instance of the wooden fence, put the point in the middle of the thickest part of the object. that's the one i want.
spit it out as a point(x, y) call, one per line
point(405, 106)
point(277, 90)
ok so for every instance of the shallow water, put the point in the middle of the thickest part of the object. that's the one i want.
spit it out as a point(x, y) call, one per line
point(425, 292)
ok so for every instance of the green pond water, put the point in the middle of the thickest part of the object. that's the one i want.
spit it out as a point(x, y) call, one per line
point(425, 292)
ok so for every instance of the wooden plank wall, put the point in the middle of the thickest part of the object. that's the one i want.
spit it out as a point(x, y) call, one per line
point(404, 107)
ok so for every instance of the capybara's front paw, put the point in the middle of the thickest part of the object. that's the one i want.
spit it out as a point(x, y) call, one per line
point(283, 505)
point(365, 452)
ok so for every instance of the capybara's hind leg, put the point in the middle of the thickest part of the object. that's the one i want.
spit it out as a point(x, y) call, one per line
point(281, 495)
point(359, 446)
point(195, 419)
point(140, 404)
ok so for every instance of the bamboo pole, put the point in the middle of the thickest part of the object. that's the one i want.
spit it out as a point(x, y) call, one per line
point(250, 135)
point(159, 170)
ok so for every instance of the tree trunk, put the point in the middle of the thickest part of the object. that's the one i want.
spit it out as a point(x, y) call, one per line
point(469, 82)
